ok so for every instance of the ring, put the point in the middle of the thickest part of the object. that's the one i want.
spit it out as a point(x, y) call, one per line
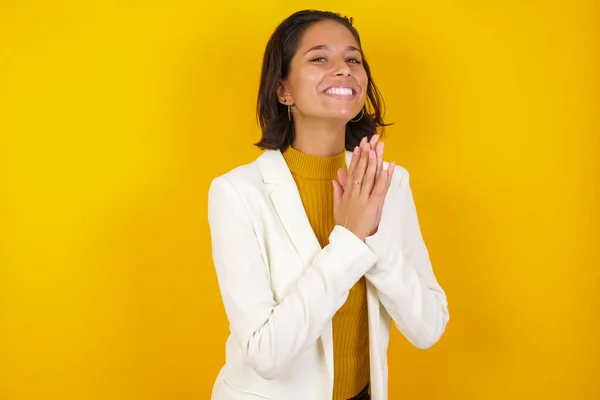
point(357, 182)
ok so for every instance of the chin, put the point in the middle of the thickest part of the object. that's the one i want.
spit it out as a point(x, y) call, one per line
point(344, 115)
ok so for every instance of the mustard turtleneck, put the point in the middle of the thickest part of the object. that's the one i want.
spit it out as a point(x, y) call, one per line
point(313, 176)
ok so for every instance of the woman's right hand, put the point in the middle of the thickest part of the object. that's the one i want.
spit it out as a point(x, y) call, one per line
point(357, 205)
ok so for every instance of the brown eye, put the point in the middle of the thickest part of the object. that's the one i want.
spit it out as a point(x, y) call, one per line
point(318, 59)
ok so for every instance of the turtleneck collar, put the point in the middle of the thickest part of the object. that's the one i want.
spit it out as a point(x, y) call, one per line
point(314, 167)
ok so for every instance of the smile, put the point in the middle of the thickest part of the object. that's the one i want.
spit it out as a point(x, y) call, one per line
point(340, 91)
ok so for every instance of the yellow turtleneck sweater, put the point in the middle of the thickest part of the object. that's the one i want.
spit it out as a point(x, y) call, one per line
point(313, 176)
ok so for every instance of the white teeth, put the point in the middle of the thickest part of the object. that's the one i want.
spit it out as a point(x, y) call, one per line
point(340, 91)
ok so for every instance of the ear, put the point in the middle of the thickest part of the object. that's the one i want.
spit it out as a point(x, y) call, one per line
point(283, 94)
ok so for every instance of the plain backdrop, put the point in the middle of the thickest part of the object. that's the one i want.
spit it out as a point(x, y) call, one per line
point(116, 115)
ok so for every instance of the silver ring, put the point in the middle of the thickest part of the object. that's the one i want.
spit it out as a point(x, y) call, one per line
point(357, 182)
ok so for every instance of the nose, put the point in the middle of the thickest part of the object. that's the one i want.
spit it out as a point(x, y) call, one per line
point(341, 68)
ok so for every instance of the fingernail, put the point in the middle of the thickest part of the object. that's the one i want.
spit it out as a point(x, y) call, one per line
point(355, 149)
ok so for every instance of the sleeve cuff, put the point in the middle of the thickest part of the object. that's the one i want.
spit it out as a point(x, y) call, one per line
point(355, 257)
point(380, 243)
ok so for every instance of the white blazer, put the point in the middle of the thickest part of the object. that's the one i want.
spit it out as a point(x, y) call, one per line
point(280, 289)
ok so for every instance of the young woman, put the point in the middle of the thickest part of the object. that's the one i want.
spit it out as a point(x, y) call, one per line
point(316, 244)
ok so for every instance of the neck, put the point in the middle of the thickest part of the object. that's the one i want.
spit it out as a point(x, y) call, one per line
point(319, 138)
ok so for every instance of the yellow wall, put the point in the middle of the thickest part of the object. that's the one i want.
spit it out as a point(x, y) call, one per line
point(115, 117)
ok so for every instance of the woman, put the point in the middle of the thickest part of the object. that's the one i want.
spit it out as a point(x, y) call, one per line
point(316, 243)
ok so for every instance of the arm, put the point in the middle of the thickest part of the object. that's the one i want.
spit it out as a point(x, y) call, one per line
point(403, 276)
point(271, 335)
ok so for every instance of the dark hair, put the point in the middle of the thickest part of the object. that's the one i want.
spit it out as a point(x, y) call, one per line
point(277, 129)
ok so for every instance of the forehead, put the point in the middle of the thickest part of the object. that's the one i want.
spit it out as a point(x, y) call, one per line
point(330, 33)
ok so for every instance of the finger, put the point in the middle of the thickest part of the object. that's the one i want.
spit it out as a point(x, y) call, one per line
point(369, 179)
point(366, 147)
point(358, 173)
point(379, 149)
point(391, 168)
point(373, 143)
point(390, 175)
point(374, 140)
point(379, 152)
point(385, 180)
point(353, 163)
point(342, 177)
point(381, 185)
point(363, 141)
point(338, 192)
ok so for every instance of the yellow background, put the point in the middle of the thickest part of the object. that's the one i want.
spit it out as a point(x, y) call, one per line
point(115, 116)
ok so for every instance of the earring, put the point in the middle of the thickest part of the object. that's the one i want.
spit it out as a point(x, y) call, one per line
point(359, 118)
point(289, 112)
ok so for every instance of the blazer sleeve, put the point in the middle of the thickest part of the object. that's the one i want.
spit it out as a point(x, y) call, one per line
point(403, 276)
point(272, 334)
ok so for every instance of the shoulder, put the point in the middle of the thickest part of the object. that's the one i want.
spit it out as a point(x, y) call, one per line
point(248, 171)
point(246, 176)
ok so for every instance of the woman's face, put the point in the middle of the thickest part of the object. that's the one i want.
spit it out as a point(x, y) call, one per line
point(327, 79)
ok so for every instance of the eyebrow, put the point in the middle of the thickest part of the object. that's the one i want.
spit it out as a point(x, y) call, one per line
point(324, 47)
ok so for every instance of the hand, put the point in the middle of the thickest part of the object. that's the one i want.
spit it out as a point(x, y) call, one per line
point(360, 192)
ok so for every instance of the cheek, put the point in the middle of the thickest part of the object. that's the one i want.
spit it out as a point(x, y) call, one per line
point(363, 80)
point(365, 85)
point(305, 83)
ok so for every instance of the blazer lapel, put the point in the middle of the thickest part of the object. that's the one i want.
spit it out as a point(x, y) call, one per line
point(288, 204)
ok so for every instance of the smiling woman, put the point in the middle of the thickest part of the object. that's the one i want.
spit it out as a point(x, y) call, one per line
point(312, 267)
point(297, 80)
